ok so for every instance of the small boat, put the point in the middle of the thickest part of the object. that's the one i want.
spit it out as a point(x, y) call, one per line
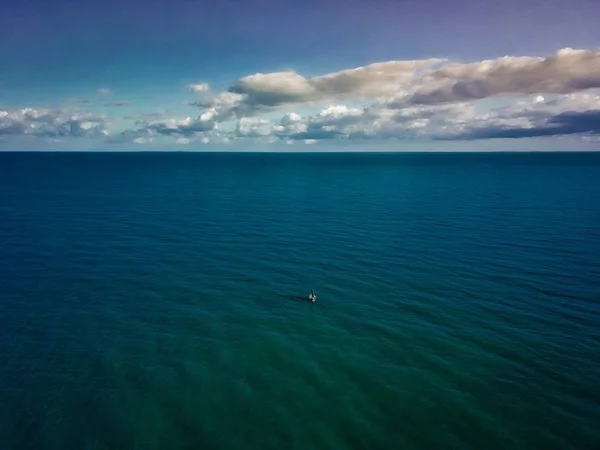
point(312, 296)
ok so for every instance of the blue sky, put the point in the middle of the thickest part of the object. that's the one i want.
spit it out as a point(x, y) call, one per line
point(280, 75)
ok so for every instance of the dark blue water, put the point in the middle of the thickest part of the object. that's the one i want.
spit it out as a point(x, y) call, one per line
point(158, 301)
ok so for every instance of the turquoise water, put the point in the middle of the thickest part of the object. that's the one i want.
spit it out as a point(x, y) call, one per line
point(158, 301)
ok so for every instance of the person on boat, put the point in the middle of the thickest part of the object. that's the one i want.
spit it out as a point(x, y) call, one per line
point(312, 295)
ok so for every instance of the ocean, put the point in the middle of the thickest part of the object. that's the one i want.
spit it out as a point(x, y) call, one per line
point(159, 301)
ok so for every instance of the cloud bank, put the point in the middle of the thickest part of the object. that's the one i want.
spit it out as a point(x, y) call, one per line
point(432, 99)
point(428, 99)
point(51, 123)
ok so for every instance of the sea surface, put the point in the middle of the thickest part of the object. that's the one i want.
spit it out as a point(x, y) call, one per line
point(159, 301)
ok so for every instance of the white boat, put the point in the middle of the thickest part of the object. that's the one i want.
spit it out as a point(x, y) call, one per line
point(312, 296)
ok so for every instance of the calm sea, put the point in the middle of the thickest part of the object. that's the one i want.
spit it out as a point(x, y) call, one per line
point(158, 301)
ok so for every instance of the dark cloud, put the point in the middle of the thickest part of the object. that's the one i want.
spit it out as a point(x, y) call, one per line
point(567, 123)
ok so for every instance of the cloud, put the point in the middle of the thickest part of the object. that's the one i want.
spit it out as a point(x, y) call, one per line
point(51, 123)
point(565, 115)
point(136, 136)
point(198, 87)
point(118, 103)
point(289, 87)
point(251, 127)
point(143, 140)
point(430, 99)
point(225, 105)
point(104, 91)
point(567, 123)
point(410, 83)
point(181, 129)
point(565, 72)
point(534, 117)
point(262, 91)
point(378, 121)
point(184, 127)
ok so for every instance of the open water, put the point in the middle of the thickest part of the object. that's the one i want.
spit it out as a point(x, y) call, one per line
point(159, 301)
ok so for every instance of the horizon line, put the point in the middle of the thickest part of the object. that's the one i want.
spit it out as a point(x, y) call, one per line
point(304, 152)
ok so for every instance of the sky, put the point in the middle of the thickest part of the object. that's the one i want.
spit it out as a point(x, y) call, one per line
point(328, 75)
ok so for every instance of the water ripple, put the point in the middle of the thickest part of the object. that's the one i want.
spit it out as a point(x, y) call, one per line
point(160, 301)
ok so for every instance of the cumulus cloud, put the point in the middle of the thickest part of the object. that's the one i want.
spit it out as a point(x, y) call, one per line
point(51, 123)
point(182, 127)
point(376, 79)
point(559, 125)
point(261, 91)
point(341, 122)
point(251, 127)
point(182, 131)
point(419, 82)
point(565, 72)
point(423, 99)
point(566, 115)
point(535, 116)
point(225, 105)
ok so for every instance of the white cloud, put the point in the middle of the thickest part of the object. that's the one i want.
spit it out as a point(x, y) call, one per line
point(376, 79)
point(565, 72)
point(424, 99)
point(198, 87)
point(261, 91)
point(252, 127)
point(225, 105)
point(181, 127)
point(419, 82)
point(51, 123)
point(385, 120)
point(143, 140)
point(340, 121)
point(104, 91)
